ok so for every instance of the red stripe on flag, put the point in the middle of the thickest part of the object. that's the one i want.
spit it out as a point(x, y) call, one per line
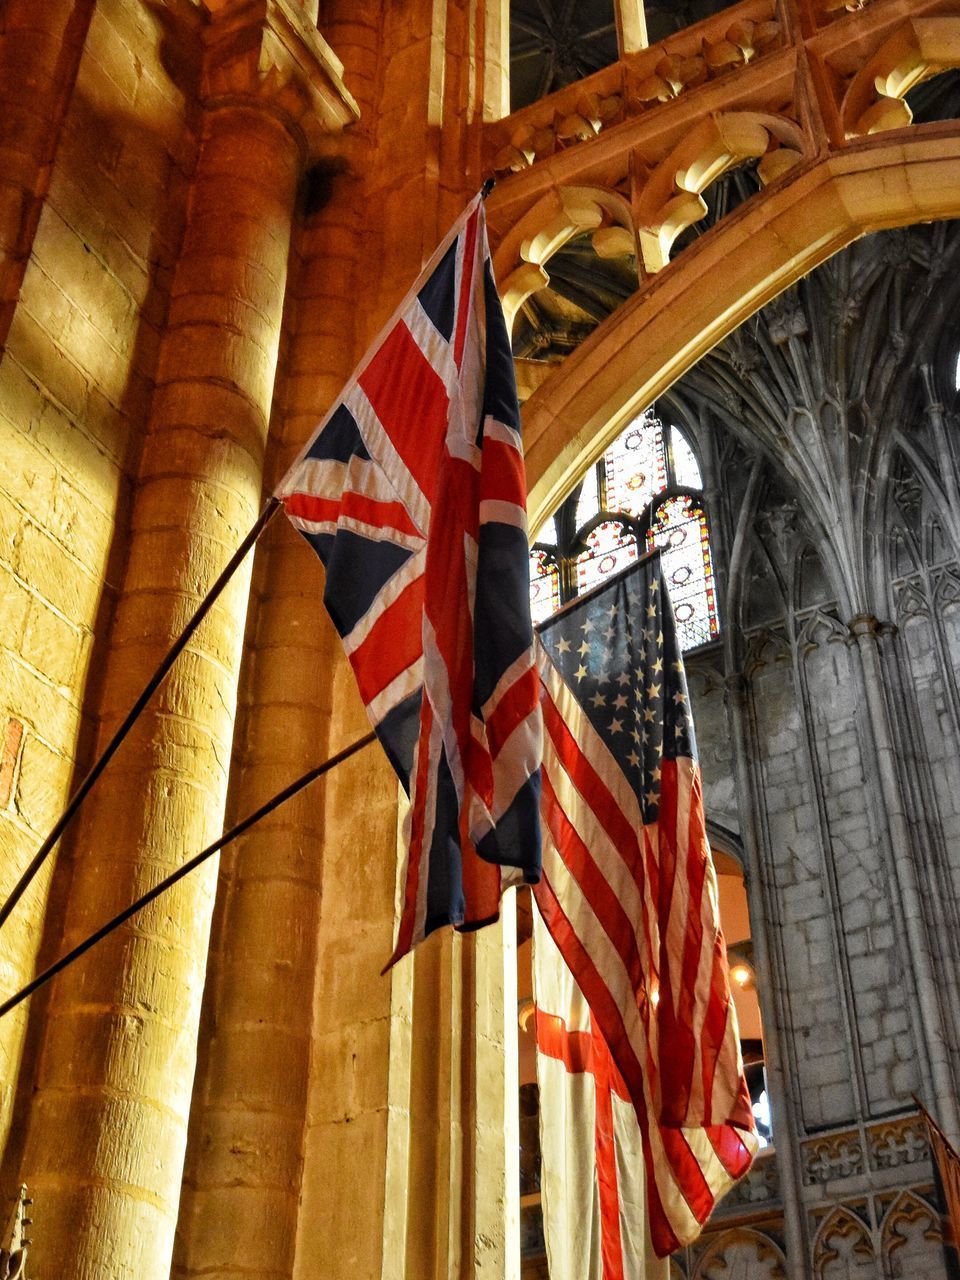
point(354, 506)
point(514, 707)
point(730, 1148)
point(611, 1244)
point(606, 905)
point(573, 1048)
point(605, 808)
point(410, 399)
point(502, 476)
point(604, 1009)
point(481, 882)
point(393, 643)
point(677, 1043)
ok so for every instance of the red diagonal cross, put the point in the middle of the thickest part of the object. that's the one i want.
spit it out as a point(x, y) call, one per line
point(587, 1052)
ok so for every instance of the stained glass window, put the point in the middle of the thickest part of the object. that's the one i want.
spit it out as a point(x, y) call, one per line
point(680, 529)
point(644, 491)
point(610, 548)
point(544, 586)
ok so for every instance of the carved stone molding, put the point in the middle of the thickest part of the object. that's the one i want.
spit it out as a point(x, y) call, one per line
point(820, 628)
point(917, 49)
point(835, 1155)
point(266, 54)
point(842, 1247)
point(636, 85)
point(764, 645)
point(759, 1189)
point(896, 1143)
point(13, 1254)
point(741, 1251)
point(865, 624)
point(911, 1235)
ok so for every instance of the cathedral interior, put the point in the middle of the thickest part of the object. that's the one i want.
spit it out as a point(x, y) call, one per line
point(726, 242)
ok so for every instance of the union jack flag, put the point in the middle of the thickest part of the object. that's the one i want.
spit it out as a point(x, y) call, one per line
point(412, 491)
point(629, 897)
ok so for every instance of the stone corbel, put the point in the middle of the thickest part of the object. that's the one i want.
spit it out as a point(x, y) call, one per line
point(525, 280)
point(917, 50)
point(553, 222)
point(266, 53)
point(672, 199)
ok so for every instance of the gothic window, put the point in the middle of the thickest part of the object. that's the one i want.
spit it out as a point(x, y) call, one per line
point(644, 492)
point(553, 44)
point(664, 17)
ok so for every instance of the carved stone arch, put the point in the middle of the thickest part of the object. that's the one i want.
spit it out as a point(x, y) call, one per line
point(903, 519)
point(727, 842)
point(660, 332)
point(911, 1239)
point(742, 1253)
point(765, 645)
point(901, 553)
point(909, 601)
point(821, 628)
point(758, 594)
point(672, 197)
point(936, 546)
point(946, 590)
point(919, 49)
point(813, 587)
point(561, 215)
point(843, 1249)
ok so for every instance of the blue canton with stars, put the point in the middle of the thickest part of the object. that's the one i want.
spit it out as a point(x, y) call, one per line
point(617, 650)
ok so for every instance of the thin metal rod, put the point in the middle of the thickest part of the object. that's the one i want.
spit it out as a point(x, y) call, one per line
point(81, 793)
point(244, 825)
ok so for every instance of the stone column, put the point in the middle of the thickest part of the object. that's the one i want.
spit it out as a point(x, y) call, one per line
point(935, 1065)
point(771, 997)
point(108, 1122)
point(40, 48)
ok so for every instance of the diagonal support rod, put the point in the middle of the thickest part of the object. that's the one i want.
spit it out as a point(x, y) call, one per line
point(244, 825)
point(98, 766)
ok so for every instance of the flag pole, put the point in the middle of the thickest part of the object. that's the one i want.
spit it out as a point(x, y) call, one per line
point(81, 793)
point(228, 836)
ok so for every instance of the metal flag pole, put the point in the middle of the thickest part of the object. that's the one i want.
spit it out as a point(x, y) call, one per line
point(81, 793)
point(244, 825)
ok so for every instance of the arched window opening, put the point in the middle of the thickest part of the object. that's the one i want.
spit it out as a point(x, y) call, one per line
point(553, 45)
point(644, 492)
point(735, 922)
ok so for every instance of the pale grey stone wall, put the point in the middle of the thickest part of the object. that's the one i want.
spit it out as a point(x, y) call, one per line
point(828, 722)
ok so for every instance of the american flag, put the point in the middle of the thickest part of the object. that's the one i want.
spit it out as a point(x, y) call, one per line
point(412, 492)
point(629, 892)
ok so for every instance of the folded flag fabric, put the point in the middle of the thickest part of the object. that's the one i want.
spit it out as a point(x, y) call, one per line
point(948, 1166)
point(629, 892)
point(412, 491)
point(593, 1172)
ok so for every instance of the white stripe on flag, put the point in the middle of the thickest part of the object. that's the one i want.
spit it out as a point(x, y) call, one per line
point(393, 694)
point(640, 1261)
point(495, 511)
point(382, 450)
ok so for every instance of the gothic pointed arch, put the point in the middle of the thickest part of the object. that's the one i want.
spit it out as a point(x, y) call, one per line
point(842, 1248)
point(741, 1253)
point(911, 1238)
